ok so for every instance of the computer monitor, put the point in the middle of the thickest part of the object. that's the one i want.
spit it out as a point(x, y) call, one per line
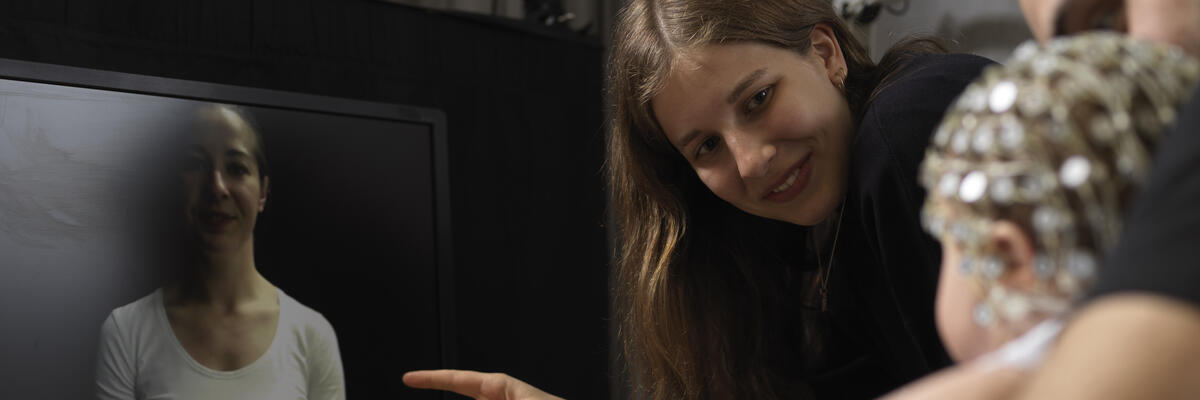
point(356, 226)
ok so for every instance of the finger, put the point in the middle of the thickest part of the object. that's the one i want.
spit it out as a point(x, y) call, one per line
point(466, 383)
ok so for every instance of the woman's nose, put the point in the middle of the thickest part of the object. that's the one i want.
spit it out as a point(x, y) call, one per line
point(753, 157)
point(217, 185)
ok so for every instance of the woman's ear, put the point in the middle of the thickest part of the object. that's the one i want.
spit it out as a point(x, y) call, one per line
point(262, 198)
point(826, 47)
point(1016, 250)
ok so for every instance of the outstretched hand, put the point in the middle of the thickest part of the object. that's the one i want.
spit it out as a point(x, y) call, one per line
point(476, 385)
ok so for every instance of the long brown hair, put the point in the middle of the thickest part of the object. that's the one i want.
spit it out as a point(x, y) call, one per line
point(703, 297)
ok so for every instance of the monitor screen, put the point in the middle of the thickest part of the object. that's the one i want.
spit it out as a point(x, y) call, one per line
point(356, 223)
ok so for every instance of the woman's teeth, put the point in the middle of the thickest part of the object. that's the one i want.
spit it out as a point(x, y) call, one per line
point(790, 180)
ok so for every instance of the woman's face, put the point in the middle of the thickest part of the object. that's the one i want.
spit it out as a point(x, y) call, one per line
point(222, 188)
point(765, 128)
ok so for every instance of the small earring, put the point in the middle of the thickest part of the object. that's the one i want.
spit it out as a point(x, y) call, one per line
point(841, 84)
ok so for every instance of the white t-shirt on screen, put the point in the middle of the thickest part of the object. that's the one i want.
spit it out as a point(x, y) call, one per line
point(140, 358)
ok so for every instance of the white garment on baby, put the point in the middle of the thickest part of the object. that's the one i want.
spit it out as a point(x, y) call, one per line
point(1027, 351)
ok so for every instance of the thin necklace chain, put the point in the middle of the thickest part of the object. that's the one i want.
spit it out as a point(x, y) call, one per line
point(824, 288)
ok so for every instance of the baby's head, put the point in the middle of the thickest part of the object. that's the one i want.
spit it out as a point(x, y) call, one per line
point(1030, 173)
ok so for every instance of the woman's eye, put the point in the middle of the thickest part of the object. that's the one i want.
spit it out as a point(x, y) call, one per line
point(707, 146)
point(238, 169)
point(758, 99)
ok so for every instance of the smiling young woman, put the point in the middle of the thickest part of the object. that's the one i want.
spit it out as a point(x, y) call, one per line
point(762, 172)
point(763, 175)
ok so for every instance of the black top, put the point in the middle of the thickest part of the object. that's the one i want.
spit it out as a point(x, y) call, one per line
point(885, 274)
point(1158, 248)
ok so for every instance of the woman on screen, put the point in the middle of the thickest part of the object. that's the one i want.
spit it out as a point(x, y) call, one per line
point(220, 330)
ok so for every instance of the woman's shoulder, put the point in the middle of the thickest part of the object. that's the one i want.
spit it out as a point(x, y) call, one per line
point(899, 120)
point(926, 81)
point(308, 335)
point(961, 65)
point(302, 319)
point(926, 71)
point(140, 312)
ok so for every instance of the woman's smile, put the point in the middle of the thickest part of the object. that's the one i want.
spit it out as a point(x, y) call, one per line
point(793, 183)
point(216, 220)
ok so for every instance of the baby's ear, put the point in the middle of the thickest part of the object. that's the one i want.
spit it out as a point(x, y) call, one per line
point(1015, 248)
